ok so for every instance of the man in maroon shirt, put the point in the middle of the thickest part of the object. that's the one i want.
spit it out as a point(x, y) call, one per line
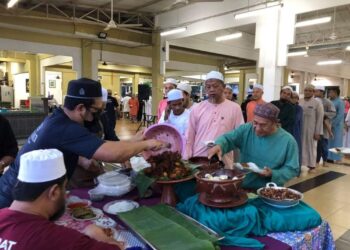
point(39, 198)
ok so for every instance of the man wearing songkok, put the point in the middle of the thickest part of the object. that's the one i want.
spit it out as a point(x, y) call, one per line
point(258, 91)
point(175, 113)
point(169, 84)
point(65, 130)
point(337, 124)
point(212, 118)
point(312, 126)
point(329, 114)
point(39, 199)
point(264, 143)
point(287, 109)
point(186, 91)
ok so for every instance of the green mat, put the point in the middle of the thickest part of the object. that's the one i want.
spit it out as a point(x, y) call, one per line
point(162, 227)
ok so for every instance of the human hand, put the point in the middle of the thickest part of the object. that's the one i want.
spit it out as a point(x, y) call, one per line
point(267, 172)
point(317, 137)
point(100, 234)
point(155, 145)
point(216, 150)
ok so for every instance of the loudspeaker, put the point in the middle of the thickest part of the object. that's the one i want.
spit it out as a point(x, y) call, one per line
point(144, 92)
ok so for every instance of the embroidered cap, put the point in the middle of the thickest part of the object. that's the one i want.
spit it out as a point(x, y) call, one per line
point(215, 75)
point(322, 88)
point(268, 111)
point(170, 80)
point(41, 166)
point(175, 94)
point(287, 87)
point(84, 88)
point(258, 86)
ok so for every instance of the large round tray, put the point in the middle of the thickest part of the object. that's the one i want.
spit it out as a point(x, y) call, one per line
point(279, 203)
point(167, 133)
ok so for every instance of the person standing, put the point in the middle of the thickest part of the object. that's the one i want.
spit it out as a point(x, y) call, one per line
point(337, 124)
point(126, 107)
point(258, 91)
point(312, 126)
point(111, 109)
point(228, 92)
point(169, 84)
point(244, 106)
point(212, 118)
point(186, 91)
point(298, 125)
point(8, 144)
point(287, 109)
point(329, 114)
point(134, 108)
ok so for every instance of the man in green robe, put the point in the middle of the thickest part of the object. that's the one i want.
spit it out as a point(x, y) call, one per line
point(264, 143)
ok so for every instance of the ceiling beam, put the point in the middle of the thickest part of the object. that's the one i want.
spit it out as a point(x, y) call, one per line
point(144, 5)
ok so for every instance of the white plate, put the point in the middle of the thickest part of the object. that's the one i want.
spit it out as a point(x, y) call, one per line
point(120, 206)
point(342, 150)
point(251, 167)
point(105, 222)
point(97, 212)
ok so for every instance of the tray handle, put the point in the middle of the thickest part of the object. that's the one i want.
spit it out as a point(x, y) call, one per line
point(271, 184)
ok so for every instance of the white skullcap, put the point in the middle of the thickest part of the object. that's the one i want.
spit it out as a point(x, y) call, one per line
point(174, 95)
point(41, 166)
point(104, 95)
point(170, 80)
point(185, 87)
point(228, 87)
point(288, 87)
point(215, 75)
point(322, 88)
point(258, 86)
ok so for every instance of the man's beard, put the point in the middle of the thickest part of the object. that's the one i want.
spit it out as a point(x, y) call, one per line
point(60, 211)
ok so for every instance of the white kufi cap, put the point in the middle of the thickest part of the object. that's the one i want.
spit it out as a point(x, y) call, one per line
point(322, 88)
point(258, 86)
point(41, 166)
point(215, 75)
point(170, 80)
point(185, 87)
point(104, 95)
point(288, 87)
point(174, 95)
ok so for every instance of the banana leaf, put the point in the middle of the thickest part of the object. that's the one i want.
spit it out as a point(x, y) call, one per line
point(164, 230)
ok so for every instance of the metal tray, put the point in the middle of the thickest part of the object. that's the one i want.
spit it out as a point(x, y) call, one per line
point(197, 223)
point(280, 203)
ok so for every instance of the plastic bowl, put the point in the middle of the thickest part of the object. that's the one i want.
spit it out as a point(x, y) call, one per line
point(95, 195)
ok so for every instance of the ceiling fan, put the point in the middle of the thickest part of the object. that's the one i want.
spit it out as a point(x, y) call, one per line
point(112, 24)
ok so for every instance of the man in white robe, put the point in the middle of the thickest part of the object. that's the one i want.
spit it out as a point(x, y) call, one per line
point(312, 126)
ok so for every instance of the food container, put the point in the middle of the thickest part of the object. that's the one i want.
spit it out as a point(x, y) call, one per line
point(220, 191)
point(95, 194)
point(113, 184)
point(204, 164)
point(285, 203)
point(166, 133)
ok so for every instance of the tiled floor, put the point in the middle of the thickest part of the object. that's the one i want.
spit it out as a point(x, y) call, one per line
point(331, 200)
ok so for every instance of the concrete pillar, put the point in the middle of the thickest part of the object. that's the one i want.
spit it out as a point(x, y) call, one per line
point(346, 89)
point(135, 83)
point(285, 76)
point(273, 78)
point(260, 74)
point(86, 55)
point(241, 95)
point(221, 68)
point(116, 83)
point(157, 78)
point(34, 76)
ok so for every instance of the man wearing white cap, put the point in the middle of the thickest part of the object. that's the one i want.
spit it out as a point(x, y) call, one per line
point(169, 84)
point(65, 130)
point(228, 92)
point(329, 114)
point(175, 113)
point(287, 109)
point(258, 91)
point(39, 198)
point(186, 91)
point(212, 118)
point(312, 126)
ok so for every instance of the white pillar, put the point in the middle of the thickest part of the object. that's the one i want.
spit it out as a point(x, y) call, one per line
point(274, 32)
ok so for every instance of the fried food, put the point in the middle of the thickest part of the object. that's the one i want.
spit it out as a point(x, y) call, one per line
point(279, 194)
point(83, 213)
point(167, 166)
point(108, 232)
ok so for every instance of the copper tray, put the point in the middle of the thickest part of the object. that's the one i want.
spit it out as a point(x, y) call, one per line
point(243, 198)
point(175, 181)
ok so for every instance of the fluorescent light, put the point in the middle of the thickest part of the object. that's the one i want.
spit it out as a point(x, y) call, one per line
point(253, 13)
point(174, 31)
point(11, 3)
point(297, 53)
point(320, 20)
point(329, 62)
point(348, 48)
point(229, 37)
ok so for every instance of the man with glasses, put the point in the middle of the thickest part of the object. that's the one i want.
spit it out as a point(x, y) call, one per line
point(65, 131)
point(212, 118)
point(264, 143)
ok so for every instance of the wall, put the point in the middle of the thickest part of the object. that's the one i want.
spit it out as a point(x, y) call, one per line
point(19, 84)
point(53, 86)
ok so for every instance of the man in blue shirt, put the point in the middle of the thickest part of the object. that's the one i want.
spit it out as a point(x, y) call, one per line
point(64, 131)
